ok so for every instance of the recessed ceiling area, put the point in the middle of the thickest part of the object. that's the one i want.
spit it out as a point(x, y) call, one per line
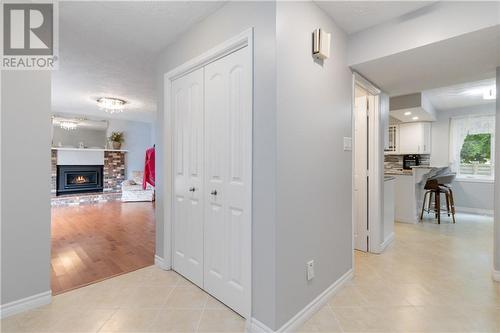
point(354, 16)
point(461, 95)
point(466, 58)
point(109, 49)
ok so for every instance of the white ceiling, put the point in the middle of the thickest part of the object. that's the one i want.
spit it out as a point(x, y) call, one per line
point(466, 58)
point(110, 49)
point(460, 95)
point(354, 16)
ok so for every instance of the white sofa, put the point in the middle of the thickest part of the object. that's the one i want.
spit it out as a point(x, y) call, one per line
point(132, 189)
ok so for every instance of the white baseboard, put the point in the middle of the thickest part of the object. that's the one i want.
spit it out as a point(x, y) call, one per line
point(387, 242)
point(255, 326)
point(306, 313)
point(496, 275)
point(25, 304)
point(477, 211)
point(160, 262)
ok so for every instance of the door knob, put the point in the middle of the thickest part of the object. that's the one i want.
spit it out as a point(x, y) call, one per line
point(214, 192)
point(192, 189)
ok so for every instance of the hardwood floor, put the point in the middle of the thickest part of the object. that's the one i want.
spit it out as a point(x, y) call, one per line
point(94, 242)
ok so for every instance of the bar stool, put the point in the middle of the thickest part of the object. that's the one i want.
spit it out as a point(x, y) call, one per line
point(445, 182)
point(435, 187)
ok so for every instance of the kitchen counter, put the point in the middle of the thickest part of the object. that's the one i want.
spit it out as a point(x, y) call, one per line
point(388, 178)
point(409, 190)
point(399, 172)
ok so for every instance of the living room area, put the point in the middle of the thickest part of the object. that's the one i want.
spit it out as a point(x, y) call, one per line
point(102, 203)
point(102, 158)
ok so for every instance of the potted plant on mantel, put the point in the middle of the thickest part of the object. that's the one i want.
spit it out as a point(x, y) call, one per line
point(116, 139)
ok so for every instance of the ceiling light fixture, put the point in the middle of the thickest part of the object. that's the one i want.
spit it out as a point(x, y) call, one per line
point(68, 125)
point(489, 94)
point(407, 113)
point(415, 118)
point(111, 104)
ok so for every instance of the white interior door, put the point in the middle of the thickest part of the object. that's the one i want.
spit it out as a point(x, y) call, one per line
point(361, 173)
point(187, 106)
point(228, 142)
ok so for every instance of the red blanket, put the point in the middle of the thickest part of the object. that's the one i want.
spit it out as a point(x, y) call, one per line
point(149, 168)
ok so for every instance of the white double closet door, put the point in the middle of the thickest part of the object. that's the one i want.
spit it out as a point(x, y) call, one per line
point(212, 110)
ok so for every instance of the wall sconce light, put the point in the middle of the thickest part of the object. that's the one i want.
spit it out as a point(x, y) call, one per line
point(321, 44)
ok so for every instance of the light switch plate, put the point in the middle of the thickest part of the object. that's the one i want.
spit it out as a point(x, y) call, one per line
point(347, 143)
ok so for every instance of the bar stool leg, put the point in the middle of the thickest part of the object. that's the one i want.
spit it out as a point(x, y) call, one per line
point(446, 194)
point(452, 204)
point(438, 206)
point(423, 206)
point(430, 201)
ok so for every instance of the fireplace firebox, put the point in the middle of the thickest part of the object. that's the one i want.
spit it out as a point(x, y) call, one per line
point(79, 179)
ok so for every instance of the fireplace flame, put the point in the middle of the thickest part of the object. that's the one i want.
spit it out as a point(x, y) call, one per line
point(80, 180)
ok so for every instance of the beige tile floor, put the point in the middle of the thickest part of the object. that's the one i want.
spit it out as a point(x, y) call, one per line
point(147, 300)
point(433, 278)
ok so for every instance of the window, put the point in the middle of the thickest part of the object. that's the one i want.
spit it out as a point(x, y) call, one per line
point(472, 147)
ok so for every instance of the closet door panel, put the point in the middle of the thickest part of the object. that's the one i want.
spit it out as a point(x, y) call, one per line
point(187, 99)
point(228, 125)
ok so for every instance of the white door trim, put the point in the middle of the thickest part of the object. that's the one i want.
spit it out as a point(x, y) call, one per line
point(244, 39)
point(375, 172)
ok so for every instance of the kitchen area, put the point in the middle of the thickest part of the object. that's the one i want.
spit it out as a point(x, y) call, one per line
point(407, 157)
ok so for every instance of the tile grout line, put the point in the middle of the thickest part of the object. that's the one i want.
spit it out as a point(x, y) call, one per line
point(201, 316)
point(335, 316)
point(107, 320)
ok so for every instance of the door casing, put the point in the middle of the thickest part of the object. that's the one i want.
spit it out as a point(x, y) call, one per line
point(375, 171)
point(244, 39)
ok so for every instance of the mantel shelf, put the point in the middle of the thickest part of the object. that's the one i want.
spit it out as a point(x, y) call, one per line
point(89, 149)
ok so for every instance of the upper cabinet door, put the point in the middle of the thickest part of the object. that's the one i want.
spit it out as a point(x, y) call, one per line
point(427, 136)
point(409, 138)
point(414, 138)
point(228, 151)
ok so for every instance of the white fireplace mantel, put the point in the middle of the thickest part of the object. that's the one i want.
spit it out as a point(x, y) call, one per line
point(88, 149)
point(82, 156)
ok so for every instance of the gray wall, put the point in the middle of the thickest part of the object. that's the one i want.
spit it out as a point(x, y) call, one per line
point(138, 138)
point(230, 20)
point(467, 194)
point(313, 172)
point(25, 204)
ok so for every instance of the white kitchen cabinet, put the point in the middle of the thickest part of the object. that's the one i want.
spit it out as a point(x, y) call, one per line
point(405, 204)
point(414, 138)
point(393, 140)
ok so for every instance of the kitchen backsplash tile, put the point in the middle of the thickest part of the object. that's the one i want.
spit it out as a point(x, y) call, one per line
point(394, 163)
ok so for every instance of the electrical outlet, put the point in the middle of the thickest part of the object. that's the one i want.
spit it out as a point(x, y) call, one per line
point(310, 270)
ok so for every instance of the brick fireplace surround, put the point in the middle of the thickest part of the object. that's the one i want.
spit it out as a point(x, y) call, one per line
point(113, 176)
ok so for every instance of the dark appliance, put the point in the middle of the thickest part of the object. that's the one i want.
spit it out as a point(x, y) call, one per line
point(79, 179)
point(410, 161)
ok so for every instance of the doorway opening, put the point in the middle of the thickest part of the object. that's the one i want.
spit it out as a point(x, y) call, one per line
point(370, 234)
point(102, 218)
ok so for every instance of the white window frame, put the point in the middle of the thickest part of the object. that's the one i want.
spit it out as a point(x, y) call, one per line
point(457, 135)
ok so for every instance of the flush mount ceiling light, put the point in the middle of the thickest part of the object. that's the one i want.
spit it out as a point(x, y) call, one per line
point(111, 104)
point(407, 113)
point(415, 118)
point(490, 93)
point(68, 125)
